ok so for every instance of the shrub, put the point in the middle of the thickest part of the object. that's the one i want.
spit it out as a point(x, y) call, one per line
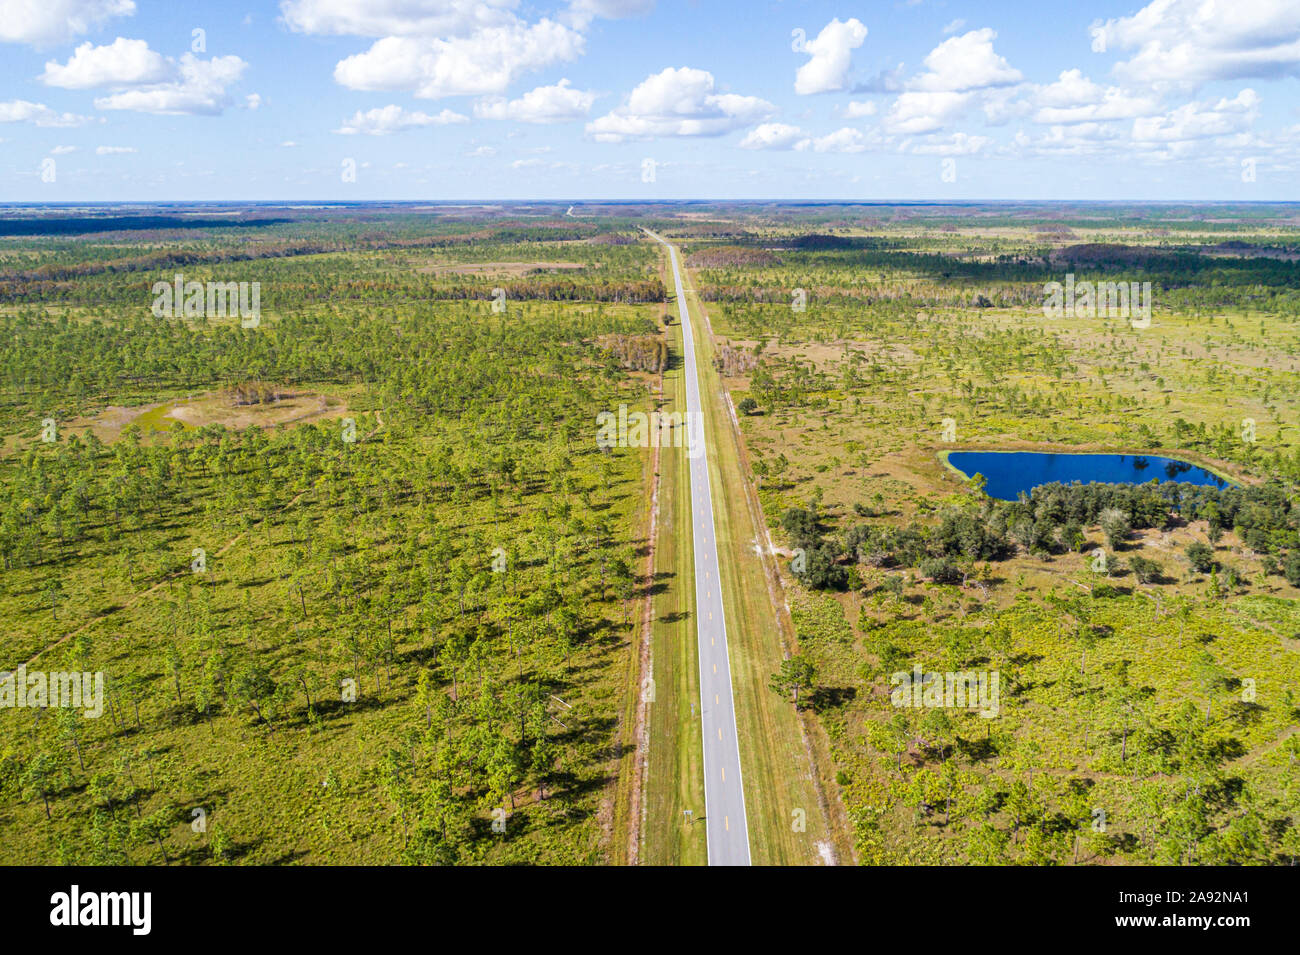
point(1201, 557)
point(821, 572)
point(940, 569)
point(802, 527)
point(1146, 570)
point(1072, 537)
point(1115, 525)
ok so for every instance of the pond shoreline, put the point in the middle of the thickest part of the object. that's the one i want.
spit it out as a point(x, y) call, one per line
point(1193, 458)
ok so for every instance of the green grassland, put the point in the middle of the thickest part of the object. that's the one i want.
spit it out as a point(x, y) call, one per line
point(421, 587)
point(1140, 722)
point(397, 635)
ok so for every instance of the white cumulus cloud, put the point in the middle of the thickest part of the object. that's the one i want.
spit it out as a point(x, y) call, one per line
point(831, 53)
point(1195, 41)
point(121, 63)
point(199, 88)
point(546, 104)
point(24, 111)
point(960, 72)
point(846, 140)
point(773, 136)
point(966, 62)
point(380, 18)
point(386, 120)
point(1199, 120)
point(45, 22)
point(679, 102)
point(1074, 98)
point(484, 63)
point(921, 112)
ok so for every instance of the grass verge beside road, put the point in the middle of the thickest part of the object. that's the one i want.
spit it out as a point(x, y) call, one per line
point(787, 822)
point(674, 779)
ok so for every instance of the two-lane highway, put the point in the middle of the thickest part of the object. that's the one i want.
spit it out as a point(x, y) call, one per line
point(724, 793)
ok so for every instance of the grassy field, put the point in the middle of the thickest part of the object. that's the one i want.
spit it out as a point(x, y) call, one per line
point(365, 589)
point(928, 317)
point(365, 623)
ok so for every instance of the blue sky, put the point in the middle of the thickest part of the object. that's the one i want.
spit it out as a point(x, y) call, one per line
point(104, 100)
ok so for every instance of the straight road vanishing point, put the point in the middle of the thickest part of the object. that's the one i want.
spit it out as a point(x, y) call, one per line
point(724, 791)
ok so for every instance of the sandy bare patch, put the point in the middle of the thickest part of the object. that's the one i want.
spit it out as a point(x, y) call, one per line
point(109, 423)
point(294, 408)
point(206, 409)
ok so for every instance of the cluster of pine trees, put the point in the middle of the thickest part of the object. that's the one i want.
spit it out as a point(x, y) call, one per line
point(639, 352)
point(1053, 518)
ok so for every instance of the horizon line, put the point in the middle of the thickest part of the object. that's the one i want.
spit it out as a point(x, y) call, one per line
point(19, 203)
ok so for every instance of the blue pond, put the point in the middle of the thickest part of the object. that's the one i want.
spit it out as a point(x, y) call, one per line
point(1010, 472)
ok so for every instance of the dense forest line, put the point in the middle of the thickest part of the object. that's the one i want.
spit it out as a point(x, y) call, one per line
point(920, 280)
point(1053, 518)
point(43, 261)
point(318, 271)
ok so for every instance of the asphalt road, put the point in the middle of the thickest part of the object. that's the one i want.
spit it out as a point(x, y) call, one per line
point(724, 791)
